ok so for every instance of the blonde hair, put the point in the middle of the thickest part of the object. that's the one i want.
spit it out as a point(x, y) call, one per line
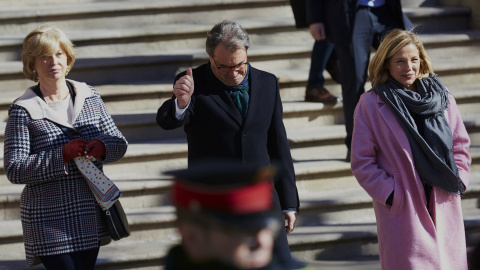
point(394, 41)
point(45, 40)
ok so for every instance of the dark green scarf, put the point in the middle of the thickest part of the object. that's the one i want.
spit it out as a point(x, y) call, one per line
point(240, 95)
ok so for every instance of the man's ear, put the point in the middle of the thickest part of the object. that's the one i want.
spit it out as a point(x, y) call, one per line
point(194, 241)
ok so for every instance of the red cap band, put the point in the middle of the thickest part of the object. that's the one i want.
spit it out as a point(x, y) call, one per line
point(243, 200)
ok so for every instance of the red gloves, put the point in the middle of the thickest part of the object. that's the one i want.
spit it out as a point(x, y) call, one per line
point(79, 147)
point(74, 148)
point(95, 148)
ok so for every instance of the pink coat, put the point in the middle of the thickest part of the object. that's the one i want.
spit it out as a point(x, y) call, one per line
point(408, 237)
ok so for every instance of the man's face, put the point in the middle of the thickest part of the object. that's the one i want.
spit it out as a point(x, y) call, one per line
point(242, 249)
point(229, 67)
point(216, 241)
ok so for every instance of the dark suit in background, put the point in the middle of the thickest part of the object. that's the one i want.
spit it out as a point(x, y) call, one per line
point(354, 30)
point(323, 57)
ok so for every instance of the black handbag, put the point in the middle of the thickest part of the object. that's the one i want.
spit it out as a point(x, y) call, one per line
point(116, 221)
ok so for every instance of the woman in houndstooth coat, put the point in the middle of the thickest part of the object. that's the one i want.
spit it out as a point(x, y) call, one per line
point(62, 223)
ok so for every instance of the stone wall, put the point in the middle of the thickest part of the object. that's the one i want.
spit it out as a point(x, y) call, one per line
point(473, 4)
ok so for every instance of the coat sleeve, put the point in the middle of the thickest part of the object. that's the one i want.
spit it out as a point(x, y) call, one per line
point(461, 142)
point(166, 113)
point(21, 165)
point(375, 180)
point(315, 11)
point(279, 151)
point(115, 143)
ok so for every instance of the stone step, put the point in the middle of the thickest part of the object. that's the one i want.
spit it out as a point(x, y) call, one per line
point(143, 161)
point(123, 254)
point(127, 98)
point(353, 205)
point(143, 14)
point(334, 242)
point(131, 53)
point(324, 198)
point(322, 142)
point(22, 18)
point(439, 19)
point(163, 39)
point(161, 66)
point(141, 124)
point(292, 72)
point(178, 38)
point(315, 220)
point(136, 194)
point(309, 243)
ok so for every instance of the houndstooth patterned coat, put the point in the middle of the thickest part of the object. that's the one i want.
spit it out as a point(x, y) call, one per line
point(58, 211)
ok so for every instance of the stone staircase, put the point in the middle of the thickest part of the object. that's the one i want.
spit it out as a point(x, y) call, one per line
point(131, 50)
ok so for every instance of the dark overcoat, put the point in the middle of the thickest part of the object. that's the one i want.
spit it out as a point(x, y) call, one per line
point(215, 128)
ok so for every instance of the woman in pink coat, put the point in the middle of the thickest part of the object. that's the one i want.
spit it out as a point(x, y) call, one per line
point(410, 153)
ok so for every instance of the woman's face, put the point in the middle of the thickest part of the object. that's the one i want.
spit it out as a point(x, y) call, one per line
point(51, 68)
point(404, 66)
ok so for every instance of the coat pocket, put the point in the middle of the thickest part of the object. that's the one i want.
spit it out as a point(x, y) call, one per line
point(397, 195)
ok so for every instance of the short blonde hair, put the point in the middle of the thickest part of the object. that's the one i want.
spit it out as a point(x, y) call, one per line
point(394, 41)
point(44, 40)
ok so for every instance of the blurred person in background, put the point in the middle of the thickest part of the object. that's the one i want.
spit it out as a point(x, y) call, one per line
point(225, 217)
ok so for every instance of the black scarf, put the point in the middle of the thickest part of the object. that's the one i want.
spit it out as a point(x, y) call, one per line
point(431, 140)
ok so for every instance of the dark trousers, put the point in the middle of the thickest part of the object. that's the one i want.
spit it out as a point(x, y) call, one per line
point(322, 52)
point(281, 250)
point(82, 260)
point(371, 24)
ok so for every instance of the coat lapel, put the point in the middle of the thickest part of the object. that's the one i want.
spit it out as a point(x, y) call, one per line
point(255, 83)
point(82, 92)
point(221, 96)
point(393, 124)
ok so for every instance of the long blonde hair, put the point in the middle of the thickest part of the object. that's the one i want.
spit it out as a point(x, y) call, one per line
point(395, 40)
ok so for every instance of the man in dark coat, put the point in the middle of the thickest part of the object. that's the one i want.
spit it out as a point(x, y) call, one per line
point(231, 110)
point(354, 26)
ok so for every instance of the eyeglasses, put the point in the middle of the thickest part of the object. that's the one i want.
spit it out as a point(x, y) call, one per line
point(226, 69)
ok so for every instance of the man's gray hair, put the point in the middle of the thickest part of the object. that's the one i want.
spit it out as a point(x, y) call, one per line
point(231, 34)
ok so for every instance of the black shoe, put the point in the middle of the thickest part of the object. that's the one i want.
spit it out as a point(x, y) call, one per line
point(320, 94)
